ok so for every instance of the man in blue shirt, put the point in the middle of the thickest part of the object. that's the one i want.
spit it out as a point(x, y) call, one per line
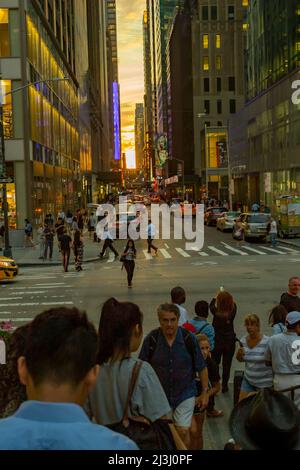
point(58, 368)
point(168, 351)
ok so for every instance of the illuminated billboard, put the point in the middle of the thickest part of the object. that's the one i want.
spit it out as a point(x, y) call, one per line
point(116, 105)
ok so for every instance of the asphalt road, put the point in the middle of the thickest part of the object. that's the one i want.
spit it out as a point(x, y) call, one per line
point(255, 278)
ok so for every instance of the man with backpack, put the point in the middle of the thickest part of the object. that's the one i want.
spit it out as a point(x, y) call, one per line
point(176, 357)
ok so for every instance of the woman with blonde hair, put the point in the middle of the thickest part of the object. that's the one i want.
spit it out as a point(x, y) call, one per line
point(257, 375)
point(223, 309)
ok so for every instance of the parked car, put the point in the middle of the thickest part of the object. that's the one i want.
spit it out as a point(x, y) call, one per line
point(212, 214)
point(8, 269)
point(227, 221)
point(254, 225)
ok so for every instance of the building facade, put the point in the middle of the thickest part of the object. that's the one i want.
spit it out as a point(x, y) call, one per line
point(57, 131)
point(265, 135)
point(148, 119)
point(113, 84)
point(139, 135)
point(218, 41)
point(180, 104)
point(41, 121)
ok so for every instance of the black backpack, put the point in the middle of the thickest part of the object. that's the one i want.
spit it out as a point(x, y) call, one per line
point(188, 341)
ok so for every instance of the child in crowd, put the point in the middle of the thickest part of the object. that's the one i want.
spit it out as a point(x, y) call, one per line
point(211, 412)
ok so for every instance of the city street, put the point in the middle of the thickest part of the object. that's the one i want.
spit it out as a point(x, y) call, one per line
point(255, 280)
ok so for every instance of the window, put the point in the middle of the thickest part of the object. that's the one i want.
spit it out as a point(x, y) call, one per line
point(218, 62)
point(214, 12)
point(232, 106)
point(220, 124)
point(231, 12)
point(206, 84)
point(205, 41)
point(219, 84)
point(207, 106)
point(245, 3)
point(5, 86)
point(219, 107)
point(205, 63)
point(207, 124)
point(4, 33)
point(231, 83)
point(218, 41)
point(205, 13)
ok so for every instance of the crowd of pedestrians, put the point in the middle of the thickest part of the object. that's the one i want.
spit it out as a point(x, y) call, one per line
point(51, 384)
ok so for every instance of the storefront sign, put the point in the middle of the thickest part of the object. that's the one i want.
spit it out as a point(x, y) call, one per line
point(172, 180)
point(161, 154)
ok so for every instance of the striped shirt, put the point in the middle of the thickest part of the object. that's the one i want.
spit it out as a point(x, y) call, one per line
point(256, 372)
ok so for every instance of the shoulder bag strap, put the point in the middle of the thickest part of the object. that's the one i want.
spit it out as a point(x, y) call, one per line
point(132, 383)
point(202, 328)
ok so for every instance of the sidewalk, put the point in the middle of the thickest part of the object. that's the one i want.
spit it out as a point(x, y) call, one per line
point(26, 257)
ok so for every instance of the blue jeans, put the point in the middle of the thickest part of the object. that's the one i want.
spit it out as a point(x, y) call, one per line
point(273, 238)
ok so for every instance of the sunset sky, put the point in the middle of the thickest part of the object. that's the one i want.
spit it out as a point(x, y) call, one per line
point(131, 68)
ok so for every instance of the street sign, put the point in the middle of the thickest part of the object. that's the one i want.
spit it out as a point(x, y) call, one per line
point(6, 180)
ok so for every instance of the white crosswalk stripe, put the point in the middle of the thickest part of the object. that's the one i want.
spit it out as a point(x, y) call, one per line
point(253, 250)
point(202, 253)
point(165, 253)
point(111, 258)
point(230, 248)
point(273, 250)
point(287, 249)
point(183, 253)
point(147, 255)
point(216, 250)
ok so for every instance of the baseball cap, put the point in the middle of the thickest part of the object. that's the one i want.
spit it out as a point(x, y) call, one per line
point(292, 318)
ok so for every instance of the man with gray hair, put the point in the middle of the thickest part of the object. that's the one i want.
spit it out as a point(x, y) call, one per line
point(290, 299)
point(176, 357)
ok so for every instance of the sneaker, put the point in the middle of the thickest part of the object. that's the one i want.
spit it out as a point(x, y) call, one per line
point(214, 413)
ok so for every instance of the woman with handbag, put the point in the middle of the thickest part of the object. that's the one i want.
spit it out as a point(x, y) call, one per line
point(127, 391)
point(127, 258)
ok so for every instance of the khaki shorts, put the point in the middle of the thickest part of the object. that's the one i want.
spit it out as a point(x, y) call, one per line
point(183, 414)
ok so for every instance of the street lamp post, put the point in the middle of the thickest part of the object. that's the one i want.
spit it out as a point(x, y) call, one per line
point(3, 176)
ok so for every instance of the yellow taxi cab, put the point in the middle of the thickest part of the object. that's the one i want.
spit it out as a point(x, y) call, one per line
point(8, 269)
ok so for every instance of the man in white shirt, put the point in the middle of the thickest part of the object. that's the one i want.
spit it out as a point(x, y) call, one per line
point(178, 297)
point(151, 235)
point(273, 232)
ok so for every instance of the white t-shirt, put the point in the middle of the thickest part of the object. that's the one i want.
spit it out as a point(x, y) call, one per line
point(183, 315)
point(151, 230)
point(273, 228)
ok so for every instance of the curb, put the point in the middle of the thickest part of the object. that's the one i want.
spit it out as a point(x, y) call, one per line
point(55, 263)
